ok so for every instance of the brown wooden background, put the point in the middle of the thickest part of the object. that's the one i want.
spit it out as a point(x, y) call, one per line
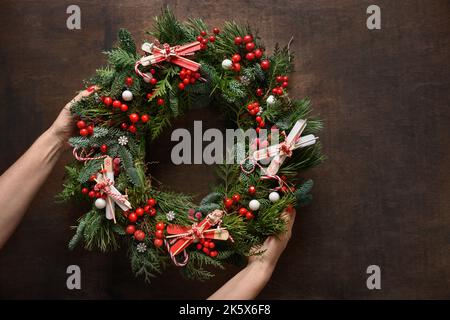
point(381, 198)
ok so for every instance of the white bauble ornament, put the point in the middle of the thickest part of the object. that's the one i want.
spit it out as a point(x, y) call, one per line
point(271, 100)
point(227, 64)
point(274, 196)
point(127, 95)
point(100, 203)
point(254, 205)
point(148, 77)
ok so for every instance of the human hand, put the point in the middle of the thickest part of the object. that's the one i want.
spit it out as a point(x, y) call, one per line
point(274, 245)
point(63, 127)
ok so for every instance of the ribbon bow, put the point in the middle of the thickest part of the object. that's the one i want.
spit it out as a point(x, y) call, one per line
point(283, 150)
point(175, 54)
point(183, 236)
point(105, 183)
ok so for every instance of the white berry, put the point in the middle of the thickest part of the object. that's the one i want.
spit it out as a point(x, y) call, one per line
point(254, 205)
point(127, 95)
point(274, 196)
point(100, 203)
point(271, 100)
point(227, 64)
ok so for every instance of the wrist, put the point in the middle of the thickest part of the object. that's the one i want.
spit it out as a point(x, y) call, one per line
point(261, 267)
point(54, 138)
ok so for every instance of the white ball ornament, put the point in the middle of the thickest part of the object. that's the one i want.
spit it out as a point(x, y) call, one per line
point(254, 205)
point(227, 64)
point(127, 95)
point(274, 196)
point(100, 203)
point(271, 100)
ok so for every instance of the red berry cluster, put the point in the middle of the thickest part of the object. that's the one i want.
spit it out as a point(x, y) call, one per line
point(139, 235)
point(246, 213)
point(251, 55)
point(90, 190)
point(134, 119)
point(133, 217)
point(207, 246)
point(85, 130)
point(187, 77)
point(229, 202)
point(116, 104)
point(203, 38)
point(159, 234)
point(153, 80)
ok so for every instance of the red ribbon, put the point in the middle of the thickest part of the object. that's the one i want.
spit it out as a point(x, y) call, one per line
point(175, 55)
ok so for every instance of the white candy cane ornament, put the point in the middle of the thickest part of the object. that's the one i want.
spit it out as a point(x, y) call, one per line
point(281, 151)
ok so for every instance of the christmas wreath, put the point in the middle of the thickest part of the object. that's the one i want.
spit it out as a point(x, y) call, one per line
point(138, 96)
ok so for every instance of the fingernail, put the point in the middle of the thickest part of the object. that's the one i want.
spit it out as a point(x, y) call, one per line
point(90, 89)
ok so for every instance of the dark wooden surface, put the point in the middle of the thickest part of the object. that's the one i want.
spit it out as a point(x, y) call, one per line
point(381, 198)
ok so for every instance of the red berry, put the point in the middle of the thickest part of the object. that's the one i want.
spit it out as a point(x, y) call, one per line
point(259, 92)
point(132, 129)
point(84, 132)
point(251, 190)
point(152, 71)
point(160, 226)
point(249, 215)
point(186, 81)
point(199, 38)
point(203, 33)
point(250, 106)
point(256, 110)
point(197, 75)
point(117, 104)
point(153, 81)
point(258, 53)
point(203, 46)
point(147, 208)
point(192, 80)
point(124, 126)
point(139, 212)
point(139, 235)
point(81, 124)
point(149, 96)
point(250, 46)
point(216, 31)
point(145, 118)
point(242, 211)
point(206, 250)
point(213, 254)
point(107, 101)
point(158, 243)
point(91, 194)
point(199, 246)
point(132, 217)
point(182, 74)
point(85, 191)
point(248, 38)
point(250, 56)
point(228, 203)
point(90, 129)
point(285, 84)
point(237, 40)
point(236, 58)
point(129, 81)
point(265, 64)
point(257, 129)
point(237, 67)
point(285, 79)
point(134, 117)
point(212, 39)
point(151, 202)
point(160, 101)
point(236, 197)
point(181, 86)
point(130, 229)
point(262, 124)
point(204, 42)
point(152, 212)
point(258, 119)
point(279, 79)
point(212, 245)
point(103, 148)
point(159, 234)
point(124, 107)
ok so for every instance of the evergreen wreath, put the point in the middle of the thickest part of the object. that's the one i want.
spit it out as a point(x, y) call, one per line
point(137, 99)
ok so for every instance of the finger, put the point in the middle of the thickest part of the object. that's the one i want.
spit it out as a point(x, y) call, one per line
point(81, 95)
point(289, 215)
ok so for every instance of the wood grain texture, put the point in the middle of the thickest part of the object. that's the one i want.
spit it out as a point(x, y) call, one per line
point(381, 197)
